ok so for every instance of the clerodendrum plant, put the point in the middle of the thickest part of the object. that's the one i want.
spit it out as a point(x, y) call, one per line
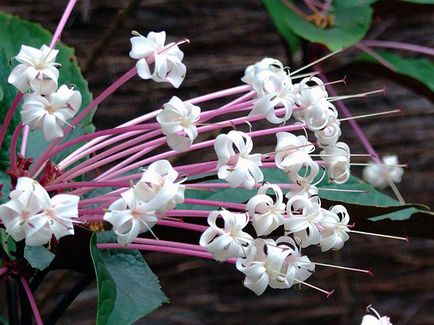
point(278, 191)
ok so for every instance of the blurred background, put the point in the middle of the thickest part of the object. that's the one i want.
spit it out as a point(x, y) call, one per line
point(226, 36)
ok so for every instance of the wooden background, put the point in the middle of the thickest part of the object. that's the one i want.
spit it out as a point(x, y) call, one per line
point(226, 36)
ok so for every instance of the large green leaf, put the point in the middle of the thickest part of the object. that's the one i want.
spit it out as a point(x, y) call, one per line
point(352, 21)
point(127, 288)
point(291, 38)
point(13, 33)
point(418, 68)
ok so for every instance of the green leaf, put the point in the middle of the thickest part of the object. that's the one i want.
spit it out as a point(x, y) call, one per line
point(5, 189)
point(127, 288)
point(292, 39)
point(352, 21)
point(420, 69)
point(8, 244)
point(38, 256)
point(13, 34)
point(370, 198)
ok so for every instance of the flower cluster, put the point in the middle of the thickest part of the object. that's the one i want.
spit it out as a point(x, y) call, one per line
point(301, 216)
point(141, 186)
point(46, 108)
point(32, 214)
point(136, 211)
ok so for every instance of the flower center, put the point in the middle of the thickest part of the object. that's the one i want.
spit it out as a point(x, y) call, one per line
point(50, 108)
point(40, 66)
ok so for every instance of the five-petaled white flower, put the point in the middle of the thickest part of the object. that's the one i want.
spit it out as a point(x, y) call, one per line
point(375, 320)
point(330, 134)
point(334, 228)
point(167, 59)
point(379, 175)
point(238, 168)
point(292, 155)
point(37, 70)
point(296, 267)
point(276, 92)
point(129, 217)
point(177, 121)
point(32, 214)
point(314, 108)
point(50, 112)
point(263, 266)
point(337, 159)
point(253, 73)
point(231, 241)
point(266, 213)
point(157, 189)
point(304, 216)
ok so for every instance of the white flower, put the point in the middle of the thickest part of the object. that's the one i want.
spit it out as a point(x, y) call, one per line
point(179, 117)
point(337, 159)
point(266, 213)
point(304, 216)
point(375, 320)
point(50, 112)
point(25, 202)
point(307, 95)
point(296, 267)
point(37, 70)
point(330, 134)
point(334, 228)
point(263, 265)
point(157, 189)
point(315, 110)
point(32, 214)
point(238, 168)
point(231, 241)
point(167, 59)
point(59, 212)
point(380, 175)
point(129, 217)
point(253, 73)
point(276, 92)
point(292, 155)
point(20, 222)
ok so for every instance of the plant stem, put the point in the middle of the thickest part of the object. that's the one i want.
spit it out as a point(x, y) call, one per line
point(106, 93)
point(31, 300)
point(399, 46)
point(163, 249)
point(9, 116)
